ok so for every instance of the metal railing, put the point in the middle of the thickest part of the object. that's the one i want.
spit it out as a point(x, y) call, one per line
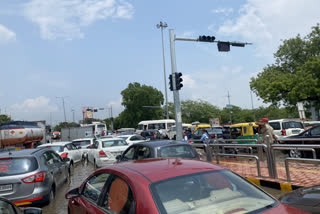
point(301, 160)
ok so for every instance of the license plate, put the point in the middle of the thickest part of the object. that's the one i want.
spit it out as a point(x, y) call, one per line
point(7, 187)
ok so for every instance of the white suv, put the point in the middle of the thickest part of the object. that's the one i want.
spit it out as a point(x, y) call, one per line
point(285, 127)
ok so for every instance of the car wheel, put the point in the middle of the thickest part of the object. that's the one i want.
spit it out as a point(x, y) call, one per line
point(295, 154)
point(70, 167)
point(51, 195)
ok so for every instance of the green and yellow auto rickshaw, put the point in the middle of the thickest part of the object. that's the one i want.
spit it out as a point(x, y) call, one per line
point(244, 131)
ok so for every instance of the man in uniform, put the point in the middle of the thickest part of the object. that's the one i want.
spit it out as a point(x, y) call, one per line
point(265, 129)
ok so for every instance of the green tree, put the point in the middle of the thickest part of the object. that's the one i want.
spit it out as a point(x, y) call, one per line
point(199, 110)
point(4, 118)
point(134, 98)
point(295, 75)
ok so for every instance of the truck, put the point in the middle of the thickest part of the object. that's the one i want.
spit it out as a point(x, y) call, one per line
point(95, 130)
point(22, 134)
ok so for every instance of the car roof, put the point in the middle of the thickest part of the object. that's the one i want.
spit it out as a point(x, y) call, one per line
point(285, 120)
point(88, 138)
point(161, 143)
point(156, 169)
point(17, 153)
point(55, 144)
point(109, 139)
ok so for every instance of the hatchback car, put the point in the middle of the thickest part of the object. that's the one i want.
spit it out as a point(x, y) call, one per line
point(31, 176)
point(170, 186)
point(283, 127)
point(132, 139)
point(82, 144)
point(156, 149)
point(66, 150)
point(151, 134)
point(104, 151)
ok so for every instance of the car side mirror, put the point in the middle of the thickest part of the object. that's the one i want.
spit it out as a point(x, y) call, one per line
point(32, 210)
point(118, 157)
point(72, 193)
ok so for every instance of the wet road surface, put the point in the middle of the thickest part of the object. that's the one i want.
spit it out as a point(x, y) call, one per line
point(78, 174)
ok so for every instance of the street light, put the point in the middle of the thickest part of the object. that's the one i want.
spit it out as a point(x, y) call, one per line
point(164, 25)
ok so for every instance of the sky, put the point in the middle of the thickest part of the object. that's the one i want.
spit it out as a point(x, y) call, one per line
point(88, 51)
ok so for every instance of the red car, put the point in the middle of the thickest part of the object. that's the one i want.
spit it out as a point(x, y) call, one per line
point(170, 186)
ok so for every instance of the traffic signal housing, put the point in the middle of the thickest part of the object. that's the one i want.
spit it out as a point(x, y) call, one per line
point(206, 38)
point(179, 80)
point(170, 82)
point(223, 46)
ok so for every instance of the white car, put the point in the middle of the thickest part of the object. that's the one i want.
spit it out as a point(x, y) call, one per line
point(83, 143)
point(285, 127)
point(65, 150)
point(131, 139)
point(104, 151)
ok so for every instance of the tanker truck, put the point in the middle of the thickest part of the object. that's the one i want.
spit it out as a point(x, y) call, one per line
point(20, 134)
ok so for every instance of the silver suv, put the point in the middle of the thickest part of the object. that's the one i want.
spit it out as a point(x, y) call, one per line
point(31, 176)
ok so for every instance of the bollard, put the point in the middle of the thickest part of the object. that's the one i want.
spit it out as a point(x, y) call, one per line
point(270, 159)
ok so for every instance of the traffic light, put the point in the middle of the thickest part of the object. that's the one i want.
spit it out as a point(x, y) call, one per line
point(179, 80)
point(170, 82)
point(224, 46)
point(206, 38)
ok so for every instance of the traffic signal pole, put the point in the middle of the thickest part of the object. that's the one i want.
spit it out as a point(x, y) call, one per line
point(176, 97)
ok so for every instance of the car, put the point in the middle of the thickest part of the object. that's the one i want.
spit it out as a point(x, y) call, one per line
point(132, 139)
point(172, 132)
point(213, 132)
point(313, 132)
point(31, 176)
point(170, 185)
point(306, 198)
point(104, 151)
point(7, 207)
point(82, 144)
point(151, 134)
point(154, 149)
point(66, 150)
point(286, 127)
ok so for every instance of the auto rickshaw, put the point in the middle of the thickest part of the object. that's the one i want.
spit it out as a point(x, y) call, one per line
point(197, 126)
point(244, 131)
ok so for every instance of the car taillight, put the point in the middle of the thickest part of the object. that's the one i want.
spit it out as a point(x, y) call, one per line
point(189, 141)
point(38, 177)
point(154, 134)
point(102, 154)
point(283, 132)
point(64, 155)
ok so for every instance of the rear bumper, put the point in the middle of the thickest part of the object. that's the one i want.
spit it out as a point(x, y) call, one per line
point(105, 162)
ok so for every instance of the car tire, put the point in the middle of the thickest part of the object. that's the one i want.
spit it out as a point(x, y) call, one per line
point(68, 176)
point(50, 197)
point(295, 154)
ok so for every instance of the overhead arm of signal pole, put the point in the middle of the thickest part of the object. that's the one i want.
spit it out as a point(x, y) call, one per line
point(238, 44)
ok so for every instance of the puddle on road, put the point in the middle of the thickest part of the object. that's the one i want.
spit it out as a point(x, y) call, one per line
point(60, 205)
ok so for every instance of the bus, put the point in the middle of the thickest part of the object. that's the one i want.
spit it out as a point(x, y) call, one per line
point(99, 129)
point(163, 125)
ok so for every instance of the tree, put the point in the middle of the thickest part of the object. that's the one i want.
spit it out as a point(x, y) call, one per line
point(140, 102)
point(295, 76)
point(199, 110)
point(4, 118)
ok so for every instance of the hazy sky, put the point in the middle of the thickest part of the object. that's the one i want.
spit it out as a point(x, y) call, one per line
point(90, 50)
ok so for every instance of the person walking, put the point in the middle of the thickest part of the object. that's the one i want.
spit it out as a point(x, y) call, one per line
point(185, 137)
point(204, 136)
point(265, 129)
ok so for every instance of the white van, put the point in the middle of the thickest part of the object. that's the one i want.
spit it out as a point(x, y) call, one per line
point(286, 127)
point(163, 125)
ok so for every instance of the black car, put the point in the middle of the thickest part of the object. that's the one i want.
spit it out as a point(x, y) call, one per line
point(164, 148)
point(313, 132)
point(151, 134)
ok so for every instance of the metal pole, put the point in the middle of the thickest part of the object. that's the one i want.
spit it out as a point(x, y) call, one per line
point(230, 109)
point(164, 25)
point(73, 118)
point(64, 111)
point(254, 116)
point(176, 98)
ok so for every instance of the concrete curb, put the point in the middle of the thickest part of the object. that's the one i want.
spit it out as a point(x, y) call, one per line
point(284, 187)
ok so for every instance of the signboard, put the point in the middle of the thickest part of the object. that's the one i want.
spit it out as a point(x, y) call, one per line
point(229, 106)
point(87, 112)
point(214, 121)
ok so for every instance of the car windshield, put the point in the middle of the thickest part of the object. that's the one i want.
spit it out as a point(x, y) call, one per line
point(56, 148)
point(112, 143)
point(292, 124)
point(214, 192)
point(183, 151)
point(16, 166)
point(81, 143)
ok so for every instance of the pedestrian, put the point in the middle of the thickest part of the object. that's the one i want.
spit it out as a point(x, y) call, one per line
point(185, 137)
point(204, 136)
point(265, 129)
point(189, 134)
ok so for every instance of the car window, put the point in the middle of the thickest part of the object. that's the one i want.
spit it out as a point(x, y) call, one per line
point(292, 124)
point(56, 157)
point(133, 138)
point(81, 143)
point(57, 148)
point(93, 188)
point(315, 131)
point(275, 125)
point(143, 152)
point(112, 143)
point(69, 146)
point(184, 151)
point(119, 198)
point(138, 137)
point(129, 155)
point(17, 166)
point(219, 190)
